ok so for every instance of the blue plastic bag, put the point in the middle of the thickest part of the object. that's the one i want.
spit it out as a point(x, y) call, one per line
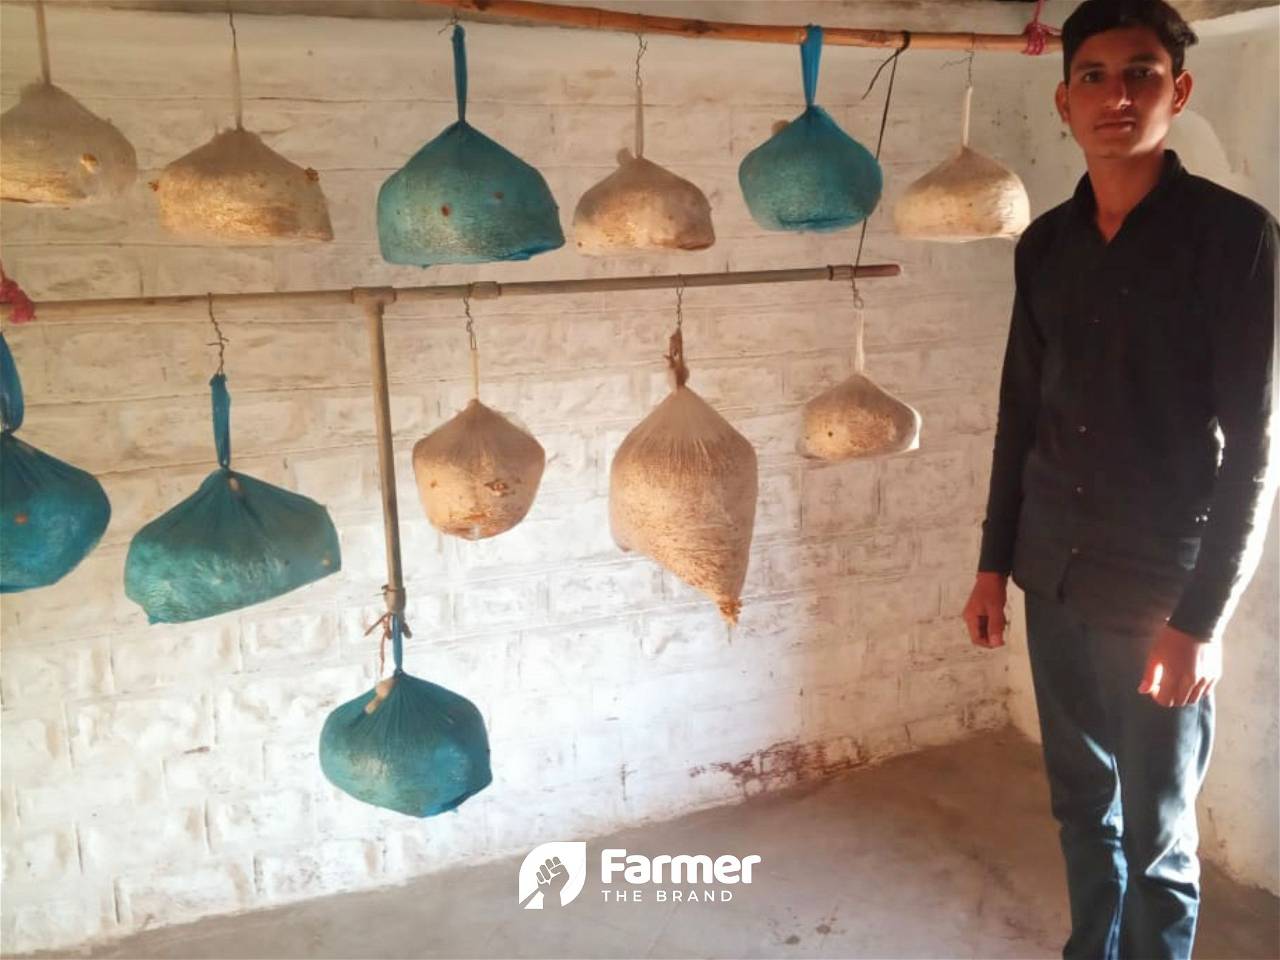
point(51, 513)
point(810, 175)
point(236, 541)
point(407, 745)
point(463, 198)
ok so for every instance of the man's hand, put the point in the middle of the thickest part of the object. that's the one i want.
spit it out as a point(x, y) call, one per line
point(1180, 668)
point(984, 613)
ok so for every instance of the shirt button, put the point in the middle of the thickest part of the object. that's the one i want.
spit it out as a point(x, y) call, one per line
point(1075, 551)
point(1080, 490)
point(1124, 291)
point(1082, 429)
point(1095, 319)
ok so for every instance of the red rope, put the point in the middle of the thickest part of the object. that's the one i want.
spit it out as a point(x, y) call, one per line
point(1037, 33)
point(22, 309)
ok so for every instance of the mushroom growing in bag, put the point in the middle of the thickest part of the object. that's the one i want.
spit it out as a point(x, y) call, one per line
point(810, 175)
point(968, 197)
point(237, 189)
point(477, 474)
point(53, 150)
point(464, 198)
point(641, 205)
point(51, 513)
point(682, 491)
point(857, 417)
point(236, 541)
point(408, 745)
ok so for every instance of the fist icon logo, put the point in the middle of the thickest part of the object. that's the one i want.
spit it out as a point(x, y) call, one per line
point(552, 875)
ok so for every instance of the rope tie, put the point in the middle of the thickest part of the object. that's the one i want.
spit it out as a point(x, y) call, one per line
point(675, 345)
point(386, 621)
point(235, 69)
point(42, 38)
point(1038, 33)
point(22, 309)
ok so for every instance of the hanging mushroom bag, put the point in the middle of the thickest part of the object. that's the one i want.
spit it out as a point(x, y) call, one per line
point(478, 473)
point(407, 745)
point(51, 513)
point(463, 198)
point(236, 189)
point(810, 175)
point(236, 541)
point(53, 150)
point(641, 205)
point(967, 197)
point(682, 490)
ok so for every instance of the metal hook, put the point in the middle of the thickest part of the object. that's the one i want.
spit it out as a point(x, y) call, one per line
point(643, 45)
point(967, 59)
point(453, 20)
point(471, 321)
point(892, 58)
point(222, 341)
point(679, 302)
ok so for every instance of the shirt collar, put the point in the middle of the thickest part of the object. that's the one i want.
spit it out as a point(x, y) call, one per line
point(1085, 204)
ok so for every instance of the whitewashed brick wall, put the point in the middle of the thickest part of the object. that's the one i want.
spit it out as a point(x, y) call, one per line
point(153, 774)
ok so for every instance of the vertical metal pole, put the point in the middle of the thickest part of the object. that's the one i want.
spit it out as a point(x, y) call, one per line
point(373, 301)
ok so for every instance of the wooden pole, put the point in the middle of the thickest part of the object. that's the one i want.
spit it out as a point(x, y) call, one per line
point(55, 310)
point(594, 18)
point(374, 300)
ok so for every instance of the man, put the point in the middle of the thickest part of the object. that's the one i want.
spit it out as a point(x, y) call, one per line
point(1129, 486)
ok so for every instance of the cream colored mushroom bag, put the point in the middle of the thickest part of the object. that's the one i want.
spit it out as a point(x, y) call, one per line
point(55, 151)
point(477, 474)
point(857, 418)
point(968, 197)
point(641, 205)
point(237, 189)
point(682, 491)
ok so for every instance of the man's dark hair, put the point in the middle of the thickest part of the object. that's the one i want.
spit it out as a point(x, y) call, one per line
point(1095, 16)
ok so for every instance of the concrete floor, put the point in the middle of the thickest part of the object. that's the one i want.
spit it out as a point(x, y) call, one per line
point(945, 853)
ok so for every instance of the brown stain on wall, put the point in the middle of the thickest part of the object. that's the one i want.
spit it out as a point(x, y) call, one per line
point(785, 764)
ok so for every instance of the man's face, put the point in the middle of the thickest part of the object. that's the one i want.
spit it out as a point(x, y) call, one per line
point(1122, 94)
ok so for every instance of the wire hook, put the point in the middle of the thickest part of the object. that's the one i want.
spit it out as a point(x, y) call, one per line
point(643, 46)
point(222, 341)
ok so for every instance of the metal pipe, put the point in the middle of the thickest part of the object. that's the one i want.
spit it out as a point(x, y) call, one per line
point(374, 300)
point(54, 310)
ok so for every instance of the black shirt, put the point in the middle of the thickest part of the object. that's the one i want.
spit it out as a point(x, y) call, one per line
point(1130, 468)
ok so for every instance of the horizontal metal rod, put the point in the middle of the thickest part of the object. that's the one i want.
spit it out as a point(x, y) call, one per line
point(480, 290)
point(595, 18)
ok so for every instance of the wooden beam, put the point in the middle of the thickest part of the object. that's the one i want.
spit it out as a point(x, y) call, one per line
point(594, 18)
